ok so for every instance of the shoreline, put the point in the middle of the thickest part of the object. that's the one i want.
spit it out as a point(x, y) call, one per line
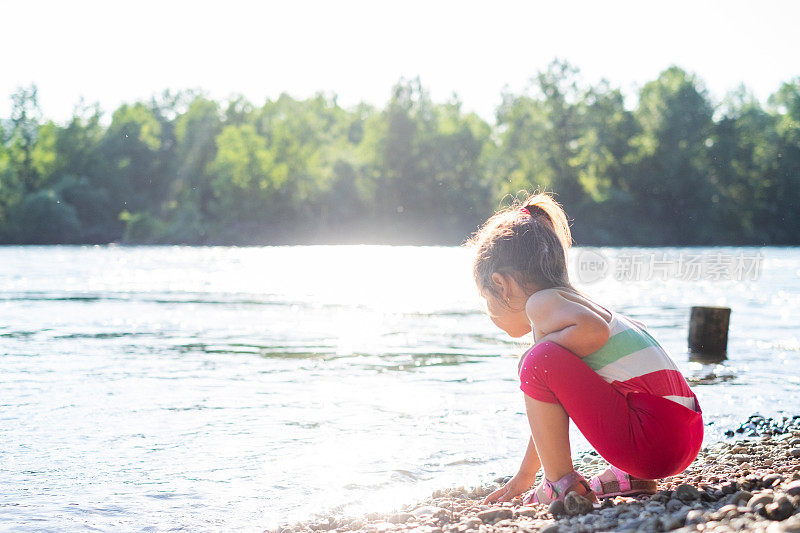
point(749, 482)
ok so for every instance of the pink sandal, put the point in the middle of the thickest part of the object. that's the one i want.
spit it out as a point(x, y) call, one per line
point(624, 485)
point(549, 491)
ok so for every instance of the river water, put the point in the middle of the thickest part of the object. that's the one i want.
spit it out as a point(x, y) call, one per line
point(234, 388)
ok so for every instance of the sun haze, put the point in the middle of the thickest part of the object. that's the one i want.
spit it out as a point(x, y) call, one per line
point(111, 53)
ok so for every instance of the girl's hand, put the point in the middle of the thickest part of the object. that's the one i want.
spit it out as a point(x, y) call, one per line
point(514, 487)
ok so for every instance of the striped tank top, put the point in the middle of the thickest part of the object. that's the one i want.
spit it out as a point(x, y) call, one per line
point(633, 361)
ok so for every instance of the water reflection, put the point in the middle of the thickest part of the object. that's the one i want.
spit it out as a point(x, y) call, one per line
point(707, 359)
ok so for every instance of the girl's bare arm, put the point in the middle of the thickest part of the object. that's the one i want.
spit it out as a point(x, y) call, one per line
point(522, 481)
point(530, 463)
point(567, 323)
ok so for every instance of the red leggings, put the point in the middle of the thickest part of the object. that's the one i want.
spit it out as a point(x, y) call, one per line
point(647, 436)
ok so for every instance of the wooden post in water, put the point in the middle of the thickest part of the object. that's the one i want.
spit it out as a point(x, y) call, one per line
point(708, 332)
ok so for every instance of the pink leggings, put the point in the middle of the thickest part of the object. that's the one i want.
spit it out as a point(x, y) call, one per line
point(648, 436)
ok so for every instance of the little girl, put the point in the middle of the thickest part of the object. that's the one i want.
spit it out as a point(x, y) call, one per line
point(597, 367)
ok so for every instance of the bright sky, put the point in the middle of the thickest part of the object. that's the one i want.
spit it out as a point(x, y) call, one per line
point(113, 52)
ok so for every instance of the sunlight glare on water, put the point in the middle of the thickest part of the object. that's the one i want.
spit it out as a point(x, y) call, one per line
point(235, 388)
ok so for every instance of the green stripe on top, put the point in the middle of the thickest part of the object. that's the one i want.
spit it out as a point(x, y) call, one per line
point(618, 346)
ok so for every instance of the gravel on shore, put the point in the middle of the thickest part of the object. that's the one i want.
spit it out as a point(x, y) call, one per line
point(750, 484)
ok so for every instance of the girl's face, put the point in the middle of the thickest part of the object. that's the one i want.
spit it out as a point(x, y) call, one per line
point(509, 314)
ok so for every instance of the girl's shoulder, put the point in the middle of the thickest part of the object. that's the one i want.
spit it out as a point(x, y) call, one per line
point(554, 294)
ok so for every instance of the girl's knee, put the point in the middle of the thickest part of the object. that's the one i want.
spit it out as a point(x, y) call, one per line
point(545, 357)
point(542, 363)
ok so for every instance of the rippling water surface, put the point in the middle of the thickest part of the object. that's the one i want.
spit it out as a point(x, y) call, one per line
point(233, 388)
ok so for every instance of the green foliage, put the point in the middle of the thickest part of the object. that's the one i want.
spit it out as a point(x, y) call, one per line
point(93, 208)
point(25, 117)
point(185, 226)
point(427, 164)
point(302, 136)
point(78, 146)
point(246, 175)
point(44, 155)
point(541, 132)
point(44, 218)
point(181, 168)
point(131, 153)
point(784, 184)
point(670, 187)
point(142, 227)
point(195, 134)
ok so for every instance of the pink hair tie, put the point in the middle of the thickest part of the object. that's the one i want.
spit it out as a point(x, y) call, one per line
point(525, 211)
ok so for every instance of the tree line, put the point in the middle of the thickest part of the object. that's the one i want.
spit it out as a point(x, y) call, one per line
point(676, 169)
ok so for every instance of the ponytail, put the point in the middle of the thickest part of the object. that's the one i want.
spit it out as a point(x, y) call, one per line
point(542, 207)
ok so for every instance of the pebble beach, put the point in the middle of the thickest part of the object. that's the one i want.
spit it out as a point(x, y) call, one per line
point(749, 482)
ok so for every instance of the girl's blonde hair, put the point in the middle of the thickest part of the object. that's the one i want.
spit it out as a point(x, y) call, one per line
point(527, 240)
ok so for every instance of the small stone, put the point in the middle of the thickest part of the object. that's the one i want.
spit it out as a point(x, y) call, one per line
point(649, 524)
point(686, 492)
point(495, 514)
point(729, 511)
point(550, 528)
point(674, 505)
point(630, 526)
point(793, 488)
point(426, 510)
point(672, 521)
point(771, 479)
point(694, 517)
point(730, 488)
point(794, 452)
point(654, 507)
point(531, 512)
point(400, 518)
point(603, 524)
point(576, 504)
point(659, 497)
point(780, 509)
point(792, 525)
point(762, 499)
point(557, 508)
point(472, 524)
